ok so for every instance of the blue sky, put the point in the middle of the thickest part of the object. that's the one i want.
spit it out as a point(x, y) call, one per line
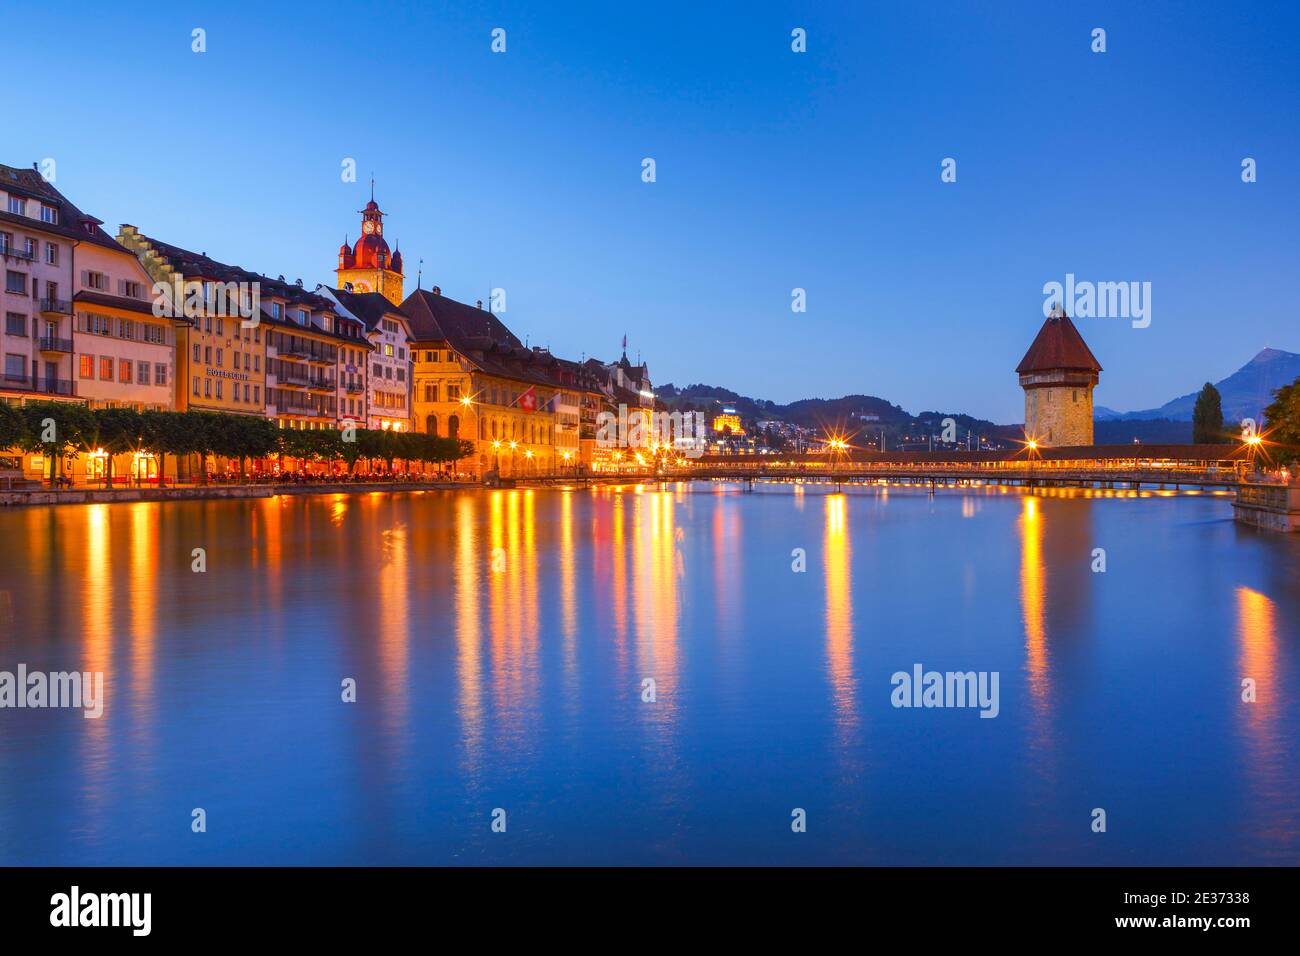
point(775, 170)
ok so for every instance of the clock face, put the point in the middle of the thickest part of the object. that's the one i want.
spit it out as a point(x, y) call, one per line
point(369, 228)
point(361, 286)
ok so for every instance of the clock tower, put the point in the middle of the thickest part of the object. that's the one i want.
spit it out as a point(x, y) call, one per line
point(369, 266)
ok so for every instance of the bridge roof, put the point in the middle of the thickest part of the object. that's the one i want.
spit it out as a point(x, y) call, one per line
point(1058, 345)
point(1125, 452)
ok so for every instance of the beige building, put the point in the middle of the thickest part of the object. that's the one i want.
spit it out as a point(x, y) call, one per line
point(475, 380)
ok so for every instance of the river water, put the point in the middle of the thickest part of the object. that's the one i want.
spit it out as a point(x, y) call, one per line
point(501, 644)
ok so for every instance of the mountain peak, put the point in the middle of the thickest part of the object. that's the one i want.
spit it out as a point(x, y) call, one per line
point(1271, 355)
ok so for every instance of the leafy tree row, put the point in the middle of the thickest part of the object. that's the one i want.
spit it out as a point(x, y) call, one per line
point(58, 429)
point(1282, 418)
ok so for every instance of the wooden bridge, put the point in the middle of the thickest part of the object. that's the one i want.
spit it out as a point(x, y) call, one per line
point(1103, 466)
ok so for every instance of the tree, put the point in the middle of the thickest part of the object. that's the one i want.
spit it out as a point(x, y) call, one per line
point(1282, 418)
point(1207, 418)
point(55, 429)
point(116, 431)
point(207, 433)
point(244, 437)
point(12, 427)
point(167, 433)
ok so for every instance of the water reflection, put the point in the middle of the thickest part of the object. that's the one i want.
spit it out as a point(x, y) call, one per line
point(469, 637)
point(1267, 751)
point(839, 613)
point(499, 640)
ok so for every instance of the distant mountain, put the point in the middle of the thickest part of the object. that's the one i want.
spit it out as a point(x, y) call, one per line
point(1246, 392)
point(852, 413)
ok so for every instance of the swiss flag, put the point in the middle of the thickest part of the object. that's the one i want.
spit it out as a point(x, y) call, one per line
point(528, 400)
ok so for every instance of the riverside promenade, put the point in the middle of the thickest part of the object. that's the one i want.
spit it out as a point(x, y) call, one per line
point(94, 494)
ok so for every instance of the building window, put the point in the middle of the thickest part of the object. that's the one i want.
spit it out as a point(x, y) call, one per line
point(97, 281)
point(124, 371)
point(97, 324)
point(52, 253)
point(453, 427)
point(431, 424)
point(453, 392)
point(32, 248)
point(220, 390)
point(16, 367)
point(196, 386)
point(219, 362)
point(15, 282)
point(207, 388)
point(49, 214)
point(15, 323)
point(388, 350)
point(257, 394)
point(159, 373)
point(87, 366)
point(207, 355)
point(18, 205)
point(6, 242)
point(105, 368)
point(198, 352)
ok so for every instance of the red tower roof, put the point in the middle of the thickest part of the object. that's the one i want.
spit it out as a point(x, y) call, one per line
point(1058, 345)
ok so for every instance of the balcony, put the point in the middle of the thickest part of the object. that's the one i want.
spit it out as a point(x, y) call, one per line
point(56, 306)
point(46, 386)
point(9, 252)
point(321, 385)
point(50, 343)
point(354, 388)
point(56, 386)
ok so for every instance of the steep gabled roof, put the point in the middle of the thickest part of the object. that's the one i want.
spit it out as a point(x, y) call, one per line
point(369, 307)
point(72, 224)
point(1058, 345)
point(435, 318)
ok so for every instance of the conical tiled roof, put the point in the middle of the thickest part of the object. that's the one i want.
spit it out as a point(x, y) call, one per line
point(1058, 345)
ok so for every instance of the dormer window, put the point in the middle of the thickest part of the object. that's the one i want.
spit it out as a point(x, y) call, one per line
point(18, 205)
point(277, 310)
point(302, 317)
point(50, 214)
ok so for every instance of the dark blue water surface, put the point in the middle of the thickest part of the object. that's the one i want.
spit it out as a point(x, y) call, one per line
point(499, 642)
